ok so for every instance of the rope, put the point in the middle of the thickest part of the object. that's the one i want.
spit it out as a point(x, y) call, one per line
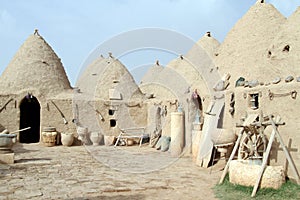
point(219, 97)
point(133, 105)
point(292, 93)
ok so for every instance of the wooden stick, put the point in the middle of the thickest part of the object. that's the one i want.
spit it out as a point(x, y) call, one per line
point(4, 107)
point(287, 154)
point(120, 135)
point(264, 163)
point(24, 129)
point(237, 143)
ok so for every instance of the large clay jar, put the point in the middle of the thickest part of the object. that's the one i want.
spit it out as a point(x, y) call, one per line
point(6, 143)
point(109, 140)
point(223, 136)
point(67, 139)
point(82, 134)
point(95, 137)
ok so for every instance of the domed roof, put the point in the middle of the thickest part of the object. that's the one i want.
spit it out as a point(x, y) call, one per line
point(89, 77)
point(244, 50)
point(196, 66)
point(152, 73)
point(209, 44)
point(35, 66)
point(167, 84)
point(285, 49)
point(115, 77)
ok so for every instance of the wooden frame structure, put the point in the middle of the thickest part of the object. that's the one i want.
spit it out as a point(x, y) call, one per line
point(275, 133)
point(131, 133)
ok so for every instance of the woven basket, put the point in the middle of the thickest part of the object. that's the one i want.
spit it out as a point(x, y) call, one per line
point(49, 139)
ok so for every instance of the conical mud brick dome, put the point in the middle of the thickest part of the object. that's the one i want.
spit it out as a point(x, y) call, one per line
point(115, 77)
point(152, 73)
point(209, 44)
point(35, 67)
point(244, 50)
point(284, 51)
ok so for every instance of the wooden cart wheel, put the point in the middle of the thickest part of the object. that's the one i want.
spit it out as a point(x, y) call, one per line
point(252, 146)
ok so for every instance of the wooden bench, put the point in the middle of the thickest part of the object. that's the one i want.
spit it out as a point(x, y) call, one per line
point(131, 133)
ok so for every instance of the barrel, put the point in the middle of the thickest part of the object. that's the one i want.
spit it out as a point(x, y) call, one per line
point(49, 136)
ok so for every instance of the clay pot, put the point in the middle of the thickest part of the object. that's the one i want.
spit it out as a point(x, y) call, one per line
point(82, 134)
point(6, 142)
point(109, 140)
point(130, 142)
point(223, 136)
point(67, 139)
point(95, 137)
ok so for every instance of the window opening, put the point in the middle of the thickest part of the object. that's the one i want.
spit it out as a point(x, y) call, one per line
point(254, 101)
point(111, 112)
point(113, 123)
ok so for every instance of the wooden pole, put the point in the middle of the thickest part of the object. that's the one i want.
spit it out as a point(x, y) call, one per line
point(237, 143)
point(287, 154)
point(266, 155)
point(264, 163)
point(24, 129)
point(61, 113)
point(4, 107)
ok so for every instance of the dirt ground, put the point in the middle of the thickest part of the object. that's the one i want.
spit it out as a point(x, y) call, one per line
point(103, 172)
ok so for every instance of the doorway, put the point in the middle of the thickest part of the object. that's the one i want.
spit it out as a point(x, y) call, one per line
point(30, 117)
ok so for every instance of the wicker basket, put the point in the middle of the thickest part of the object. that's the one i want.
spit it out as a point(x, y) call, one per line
point(49, 138)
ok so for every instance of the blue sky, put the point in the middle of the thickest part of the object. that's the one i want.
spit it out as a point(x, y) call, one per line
point(75, 28)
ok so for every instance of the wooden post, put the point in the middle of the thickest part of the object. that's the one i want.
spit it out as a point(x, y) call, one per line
point(290, 149)
point(237, 143)
point(264, 163)
point(24, 129)
point(266, 155)
point(287, 154)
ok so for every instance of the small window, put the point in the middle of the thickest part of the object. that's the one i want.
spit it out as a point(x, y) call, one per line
point(113, 123)
point(286, 48)
point(253, 101)
point(111, 112)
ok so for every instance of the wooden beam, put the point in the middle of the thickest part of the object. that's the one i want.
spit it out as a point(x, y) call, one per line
point(4, 106)
point(264, 163)
point(287, 154)
point(237, 143)
point(266, 155)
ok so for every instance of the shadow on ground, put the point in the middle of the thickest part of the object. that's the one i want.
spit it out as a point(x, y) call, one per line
point(23, 160)
point(116, 197)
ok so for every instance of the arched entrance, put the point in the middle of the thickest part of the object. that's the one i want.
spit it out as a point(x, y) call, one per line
point(30, 117)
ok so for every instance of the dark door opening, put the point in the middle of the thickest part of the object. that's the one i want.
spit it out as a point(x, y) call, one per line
point(29, 117)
